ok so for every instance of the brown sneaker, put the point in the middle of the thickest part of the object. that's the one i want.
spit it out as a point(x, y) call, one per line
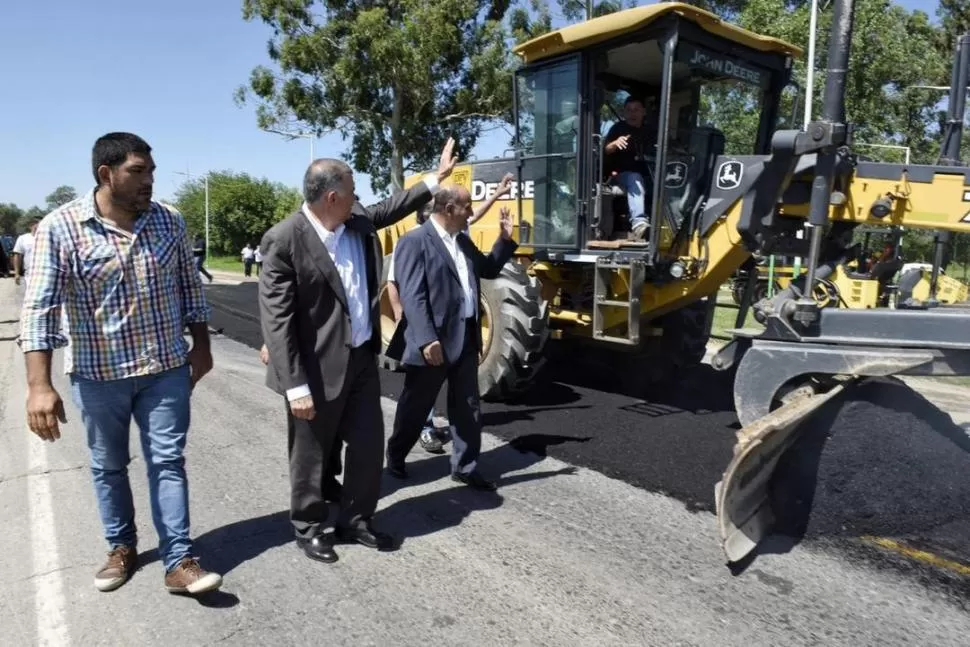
point(121, 563)
point(188, 577)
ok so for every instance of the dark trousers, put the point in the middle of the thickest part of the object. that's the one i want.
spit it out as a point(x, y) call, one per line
point(248, 267)
point(421, 387)
point(354, 418)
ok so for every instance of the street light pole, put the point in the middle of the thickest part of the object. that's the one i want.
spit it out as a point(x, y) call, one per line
point(206, 221)
point(810, 72)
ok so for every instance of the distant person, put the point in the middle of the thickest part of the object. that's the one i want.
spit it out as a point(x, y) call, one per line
point(23, 251)
point(248, 256)
point(198, 252)
point(128, 358)
point(258, 259)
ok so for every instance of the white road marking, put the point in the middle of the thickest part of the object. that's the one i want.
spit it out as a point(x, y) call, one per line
point(49, 602)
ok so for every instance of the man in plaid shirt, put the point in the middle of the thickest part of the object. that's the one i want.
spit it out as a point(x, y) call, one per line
point(121, 267)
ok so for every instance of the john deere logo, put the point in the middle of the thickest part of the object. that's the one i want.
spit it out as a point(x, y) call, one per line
point(729, 175)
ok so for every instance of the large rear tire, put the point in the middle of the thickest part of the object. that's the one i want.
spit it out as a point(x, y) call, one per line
point(515, 329)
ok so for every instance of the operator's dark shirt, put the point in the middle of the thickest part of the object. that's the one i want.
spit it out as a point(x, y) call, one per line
point(641, 143)
point(198, 248)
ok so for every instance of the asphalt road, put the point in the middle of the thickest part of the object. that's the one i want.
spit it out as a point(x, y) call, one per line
point(872, 479)
point(600, 534)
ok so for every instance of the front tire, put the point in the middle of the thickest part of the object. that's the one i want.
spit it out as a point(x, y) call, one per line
point(515, 329)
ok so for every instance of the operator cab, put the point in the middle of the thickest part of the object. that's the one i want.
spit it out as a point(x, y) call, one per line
point(706, 91)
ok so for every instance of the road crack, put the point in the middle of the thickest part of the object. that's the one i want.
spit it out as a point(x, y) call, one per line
point(52, 470)
point(55, 570)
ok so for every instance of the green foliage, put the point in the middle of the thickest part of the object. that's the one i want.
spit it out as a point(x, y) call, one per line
point(395, 78)
point(60, 196)
point(892, 51)
point(23, 225)
point(10, 215)
point(241, 208)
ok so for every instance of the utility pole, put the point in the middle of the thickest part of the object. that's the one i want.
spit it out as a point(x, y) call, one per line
point(589, 9)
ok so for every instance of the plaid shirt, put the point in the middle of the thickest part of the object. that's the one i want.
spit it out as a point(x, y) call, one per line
point(128, 297)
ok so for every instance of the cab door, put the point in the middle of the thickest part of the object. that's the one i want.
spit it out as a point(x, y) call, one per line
point(548, 129)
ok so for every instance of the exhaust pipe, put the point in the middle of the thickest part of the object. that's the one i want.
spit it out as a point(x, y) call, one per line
point(831, 132)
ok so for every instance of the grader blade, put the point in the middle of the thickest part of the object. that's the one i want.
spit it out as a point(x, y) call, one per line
point(744, 515)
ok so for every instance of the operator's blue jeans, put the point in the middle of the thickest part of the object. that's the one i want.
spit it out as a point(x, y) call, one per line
point(633, 183)
point(159, 405)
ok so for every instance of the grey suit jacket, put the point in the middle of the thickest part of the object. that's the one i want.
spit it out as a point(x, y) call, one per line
point(303, 308)
point(431, 292)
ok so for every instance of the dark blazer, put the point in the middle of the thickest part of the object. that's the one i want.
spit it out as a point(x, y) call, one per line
point(431, 293)
point(303, 309)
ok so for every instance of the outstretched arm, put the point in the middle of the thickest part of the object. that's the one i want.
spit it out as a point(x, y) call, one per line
point(400, 205)
point(504, 187)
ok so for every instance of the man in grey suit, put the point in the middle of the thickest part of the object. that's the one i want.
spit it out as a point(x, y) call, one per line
point(319, 309)
point(438, 269)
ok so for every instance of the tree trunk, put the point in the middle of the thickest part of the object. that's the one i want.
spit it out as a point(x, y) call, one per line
point(397, 155)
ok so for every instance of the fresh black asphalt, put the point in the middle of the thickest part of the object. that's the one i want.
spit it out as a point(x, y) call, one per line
point(883, 462)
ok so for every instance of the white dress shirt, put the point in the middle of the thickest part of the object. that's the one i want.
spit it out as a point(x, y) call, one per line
point(347, 252)
point(461, 264)
point(390, 265)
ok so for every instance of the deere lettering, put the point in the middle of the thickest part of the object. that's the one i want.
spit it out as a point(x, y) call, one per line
point(725, 66)
point(485, 190)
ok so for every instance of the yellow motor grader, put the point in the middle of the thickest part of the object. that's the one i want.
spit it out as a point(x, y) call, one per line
point(727, 181)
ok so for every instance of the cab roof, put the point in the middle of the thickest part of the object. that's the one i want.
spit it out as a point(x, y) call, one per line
point(584, 34)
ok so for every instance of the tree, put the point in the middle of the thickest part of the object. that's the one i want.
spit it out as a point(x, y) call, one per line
point(241, 208)
point(60, 196)
point(23, 225)
point(395, 78)
point(10, 215)
point(892, 51)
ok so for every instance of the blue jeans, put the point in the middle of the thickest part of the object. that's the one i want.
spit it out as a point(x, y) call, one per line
point(633, 183)
point(159, 405)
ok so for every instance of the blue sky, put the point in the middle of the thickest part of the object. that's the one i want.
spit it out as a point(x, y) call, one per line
point(72, 71)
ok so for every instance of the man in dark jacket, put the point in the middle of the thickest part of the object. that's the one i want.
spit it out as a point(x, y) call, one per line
point(320, 316)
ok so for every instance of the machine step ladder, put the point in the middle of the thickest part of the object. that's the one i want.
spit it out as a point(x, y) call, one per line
point(617, 285)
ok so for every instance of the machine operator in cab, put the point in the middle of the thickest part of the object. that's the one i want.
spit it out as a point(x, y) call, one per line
point(629, 145)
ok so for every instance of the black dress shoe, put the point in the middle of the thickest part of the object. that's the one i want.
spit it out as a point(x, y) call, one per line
point(475, 480)
point(397, 470)
point(365, 535)
point(332, 491)
point(319, 548)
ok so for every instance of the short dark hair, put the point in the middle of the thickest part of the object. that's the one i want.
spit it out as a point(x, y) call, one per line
point(632, 99)
point(323, 175)
point(114, 148)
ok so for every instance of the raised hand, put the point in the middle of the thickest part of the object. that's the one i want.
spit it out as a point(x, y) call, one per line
point(505, 185)
point(505, 222)
point(448, 160)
